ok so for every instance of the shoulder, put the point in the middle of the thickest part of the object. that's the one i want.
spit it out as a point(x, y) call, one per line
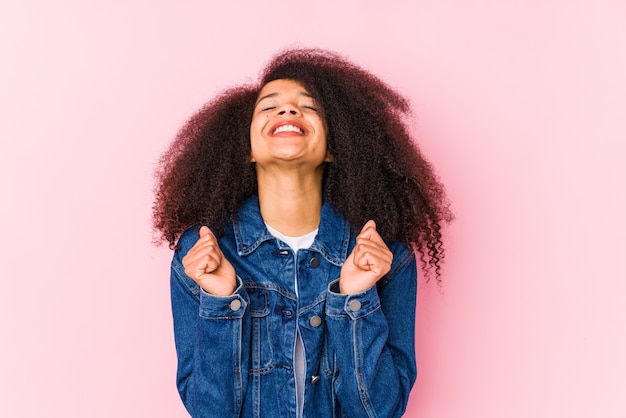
point(190, 236)
point(179, 279)
point(401, 253)
point(404, 262)
point(187, 240)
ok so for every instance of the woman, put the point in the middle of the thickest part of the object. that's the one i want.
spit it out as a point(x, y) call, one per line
point(296, 205)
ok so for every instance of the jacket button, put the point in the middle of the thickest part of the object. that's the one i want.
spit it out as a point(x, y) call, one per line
point(355, 305)
point(315, 379)
point(314, 262)
point(235, 305)
point(315, 321)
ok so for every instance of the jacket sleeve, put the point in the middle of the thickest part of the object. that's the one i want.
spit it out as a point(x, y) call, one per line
point(209, 332)
point(372, 338)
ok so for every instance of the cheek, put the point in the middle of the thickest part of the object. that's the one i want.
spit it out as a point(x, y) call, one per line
point(252, 155)
point(253, 139)
point(253, 142)
point(256, 127)
point(258, 123)
point(256, 137)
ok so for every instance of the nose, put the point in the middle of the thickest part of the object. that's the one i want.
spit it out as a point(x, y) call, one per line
point(288, 109)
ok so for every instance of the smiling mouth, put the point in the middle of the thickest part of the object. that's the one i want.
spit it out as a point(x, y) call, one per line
point(288, 128)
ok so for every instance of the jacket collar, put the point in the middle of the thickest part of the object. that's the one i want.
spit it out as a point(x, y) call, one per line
point(332, 239)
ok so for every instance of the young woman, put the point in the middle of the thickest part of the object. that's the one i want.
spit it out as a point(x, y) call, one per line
point(294, 207)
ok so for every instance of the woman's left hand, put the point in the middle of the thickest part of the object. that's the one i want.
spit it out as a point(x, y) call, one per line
point(369, 261)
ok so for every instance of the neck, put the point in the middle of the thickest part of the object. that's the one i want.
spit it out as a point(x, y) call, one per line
point(291, 202)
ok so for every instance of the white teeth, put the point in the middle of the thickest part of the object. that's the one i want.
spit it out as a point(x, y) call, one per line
point(288, 128)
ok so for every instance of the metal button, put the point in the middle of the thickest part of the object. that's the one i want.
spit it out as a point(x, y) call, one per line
point(315, 379)
point(315, 321)
point(355, 305)
point(235, 305)
point(314, 262)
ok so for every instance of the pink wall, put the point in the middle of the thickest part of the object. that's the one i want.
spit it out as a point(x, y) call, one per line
point(520, 105)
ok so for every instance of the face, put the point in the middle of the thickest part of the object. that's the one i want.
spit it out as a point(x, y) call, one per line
point(287, 126)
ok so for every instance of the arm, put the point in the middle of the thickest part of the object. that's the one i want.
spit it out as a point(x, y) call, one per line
point(209, 333)
point(371, 335)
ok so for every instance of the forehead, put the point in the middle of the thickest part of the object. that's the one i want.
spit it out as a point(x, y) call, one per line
point(282, 86)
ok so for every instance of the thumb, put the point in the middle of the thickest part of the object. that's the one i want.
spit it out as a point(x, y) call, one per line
point(368, 225)
point(204, 231)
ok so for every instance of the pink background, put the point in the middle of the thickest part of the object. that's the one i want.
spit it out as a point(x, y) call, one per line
point(521, 106)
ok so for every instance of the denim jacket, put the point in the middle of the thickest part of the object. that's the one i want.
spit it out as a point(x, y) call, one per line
point(236, 353)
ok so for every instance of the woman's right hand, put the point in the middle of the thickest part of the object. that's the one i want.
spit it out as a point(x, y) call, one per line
point(205, 263)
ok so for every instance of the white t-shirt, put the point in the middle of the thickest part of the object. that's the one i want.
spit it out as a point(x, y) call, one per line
point(297, 243)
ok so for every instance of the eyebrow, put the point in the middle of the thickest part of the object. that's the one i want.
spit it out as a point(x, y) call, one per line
point(268, 96)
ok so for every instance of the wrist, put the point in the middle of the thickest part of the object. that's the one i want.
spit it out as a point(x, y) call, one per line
point(349, 287)
point(224, 290)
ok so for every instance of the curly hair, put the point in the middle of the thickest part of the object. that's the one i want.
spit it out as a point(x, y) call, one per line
point(377, 170)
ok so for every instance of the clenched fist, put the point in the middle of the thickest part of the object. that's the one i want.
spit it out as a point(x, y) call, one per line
point(369, 261)
point(206, 264)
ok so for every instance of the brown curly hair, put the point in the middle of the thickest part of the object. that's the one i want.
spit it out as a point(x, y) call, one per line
point(377, 171)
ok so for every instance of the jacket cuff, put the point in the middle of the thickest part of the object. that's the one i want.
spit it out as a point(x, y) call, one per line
point(224, 307)
point(354, 305)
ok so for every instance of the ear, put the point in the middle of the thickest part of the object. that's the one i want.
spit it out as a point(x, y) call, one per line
point(329, 158)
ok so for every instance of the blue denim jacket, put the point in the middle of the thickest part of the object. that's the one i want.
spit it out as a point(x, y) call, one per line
point(236, 353)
